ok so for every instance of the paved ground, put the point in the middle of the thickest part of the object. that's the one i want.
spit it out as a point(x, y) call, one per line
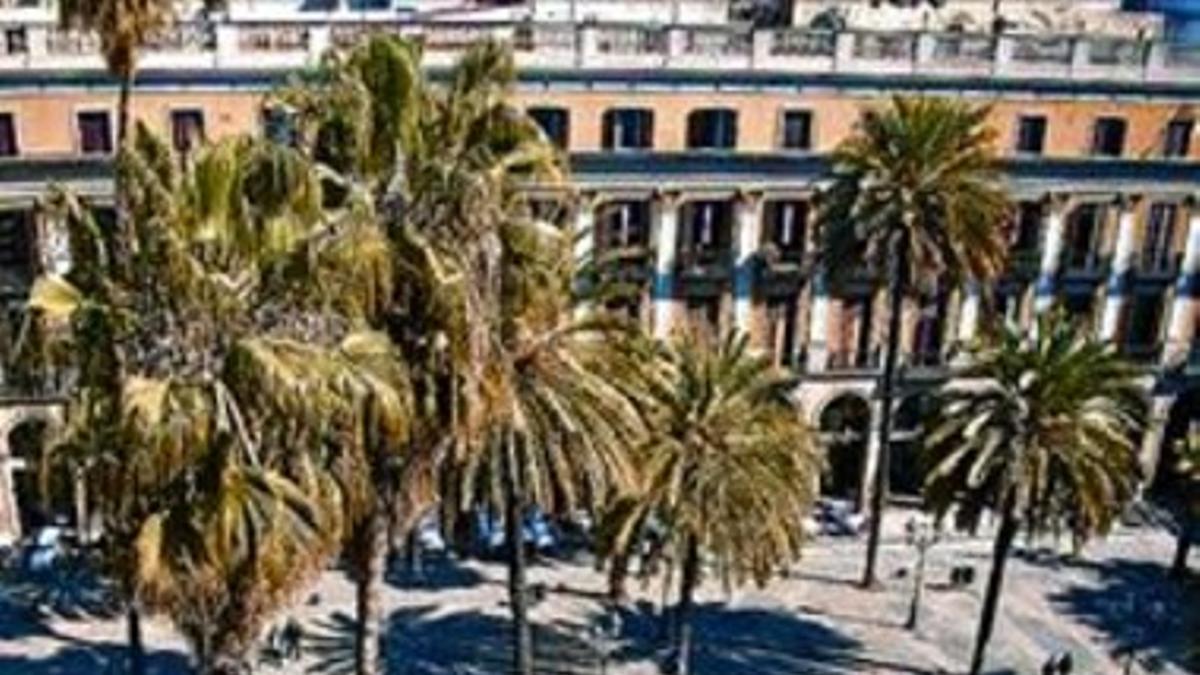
point(453, 621)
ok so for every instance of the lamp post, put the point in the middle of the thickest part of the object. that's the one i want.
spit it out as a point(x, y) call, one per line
point(921, 535)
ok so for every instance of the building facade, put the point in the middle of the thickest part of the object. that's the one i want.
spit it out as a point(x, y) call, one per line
point(697, 143)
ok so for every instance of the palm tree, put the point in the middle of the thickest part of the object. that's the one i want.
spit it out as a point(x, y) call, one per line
point(243, 359)
point(915, 193)
point(1189, 500)
point(1042, 437)
point(730, 470)
point(446, 169)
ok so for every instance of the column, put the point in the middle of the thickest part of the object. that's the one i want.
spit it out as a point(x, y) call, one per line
point(583, 234)
point(1052, 248)
point(968, 318)
point(748, 223)
point(1186, 290)
point(873, 451)
point(666, 242)
point(1122, 268)
point(1153, 436)
point(818, 323)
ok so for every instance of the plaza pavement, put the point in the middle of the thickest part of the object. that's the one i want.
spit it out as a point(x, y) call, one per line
point(452, 620)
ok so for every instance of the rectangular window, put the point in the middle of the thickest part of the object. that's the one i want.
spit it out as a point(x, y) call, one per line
point(1031, 134)
point(16, 254)
point(712, 129)
point(187, 129)
point(16, 40)
point(8, 136)
point(1085, 228)
point(1108, 137)
point(1157, 249)
point(709, 225)
point(279, 125)
point(1178, 141)
point(786, 221)
point(555, 123)
point(95, 132)
point(797, 130)
point(626, 224)
point(628, 129)
point(1145, 324)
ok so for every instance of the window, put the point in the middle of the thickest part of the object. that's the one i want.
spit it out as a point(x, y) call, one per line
point(628, 129)
point(781, 329)
point(16, 254)
point(1031, 134)
point(1144, 324)
point(279, 125)
point(712, 129)
point(95, 132)
point(785, 223)
point(187, 129)
point(1178, 141)
point(708, 225)
point(16, 40)
point(1084, 232)
point(797, 130)
point(8, 136)
point(1028, 227)
point(555, 123)
point(625, 224)
point(927, 334)
point(1078, 308)
point(1157, 253)
point(1108, 138)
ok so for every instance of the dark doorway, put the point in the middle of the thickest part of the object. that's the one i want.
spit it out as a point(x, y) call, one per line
point(845, 423)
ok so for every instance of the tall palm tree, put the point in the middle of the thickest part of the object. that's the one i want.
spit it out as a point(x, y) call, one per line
point(243, 358)
point(915, 194)
point(1042, 436)
point(730, 469)
point(446, 169)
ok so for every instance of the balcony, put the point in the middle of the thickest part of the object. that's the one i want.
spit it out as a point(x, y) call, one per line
point(1024, 264)
point(1148, 354)
point(628, 263)
point(706, 262)
point(853, 360)
point(784, 261)
point(1158, 265)
point(1085, 265)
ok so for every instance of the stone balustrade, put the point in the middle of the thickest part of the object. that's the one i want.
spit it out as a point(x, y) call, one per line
point(273, 45)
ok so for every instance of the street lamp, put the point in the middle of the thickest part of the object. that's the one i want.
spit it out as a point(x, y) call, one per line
point(921, 534)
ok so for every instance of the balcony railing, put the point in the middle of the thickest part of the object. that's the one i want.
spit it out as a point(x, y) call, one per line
point(243, 45)
point(1144, 354)
point(1025, 264)
point(1085, 264)
point(707, 261)
point(853, 359)
point(784, 259)
point(1158, 264)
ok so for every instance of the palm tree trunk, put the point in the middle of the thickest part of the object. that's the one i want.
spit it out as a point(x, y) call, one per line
point(1183, 547)
point(137, 653)
point(991, 599)
point(368, 576)
point(618, 574)
point(688, 578)
point(517, 596)
point(898, 282)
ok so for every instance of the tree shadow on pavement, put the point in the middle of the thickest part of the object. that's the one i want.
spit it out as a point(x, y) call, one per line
point(759, 641)
point(79, 658)
point(1138, 609)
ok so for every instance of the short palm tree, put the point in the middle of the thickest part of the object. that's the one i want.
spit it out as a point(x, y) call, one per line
point(915, 194)
point(730, 470)
point(1040, 433)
